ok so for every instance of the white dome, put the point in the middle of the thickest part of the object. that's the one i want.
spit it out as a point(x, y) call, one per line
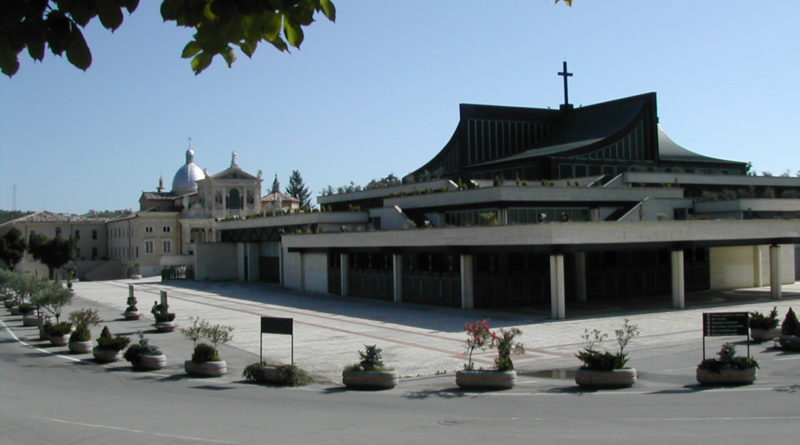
point(186, 177)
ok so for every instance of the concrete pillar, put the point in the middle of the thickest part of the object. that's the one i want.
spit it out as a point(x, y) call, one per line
point(397, 277)
point(558, 308)
point(678, 281)
point(467, 293)
point(594, 214)
point(344, 271)
point(503, 220)
point(775, 271)
point(580, 277)
point(758, 279)
point(302, 271)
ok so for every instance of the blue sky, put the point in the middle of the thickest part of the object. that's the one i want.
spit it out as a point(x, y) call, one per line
point(378, 91)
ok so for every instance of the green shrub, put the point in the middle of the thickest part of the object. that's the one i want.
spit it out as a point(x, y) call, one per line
point(205, 353)
point(59, 329)
point(107, 342)
point(81, 333)
point(765, 322)
point(727, 359)
point(596, 360)
point(790, 324)
point(371, 359)
point(288, 375)
point(26, 308)
point(131, 304)
point(136, 350)
point(85, 317)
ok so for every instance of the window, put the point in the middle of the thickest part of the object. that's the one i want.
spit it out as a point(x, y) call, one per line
point(167, 246)
point(78, 235)
point(94, 252)
point(58, 231)
point(166, 229)
point(137, 251)
point(94, 233)
point(148, 247)
point(148, 229)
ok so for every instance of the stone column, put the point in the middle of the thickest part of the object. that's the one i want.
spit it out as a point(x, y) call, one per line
point(775, 271)
point(302, 271)
point(467, 294)
point(344, 272)
point(580, 277)
point(557, 294)
point(758, 280)
point(397, 277)
point(678, 282)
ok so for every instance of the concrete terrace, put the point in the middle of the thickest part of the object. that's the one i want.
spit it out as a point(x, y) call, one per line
point(416, 340)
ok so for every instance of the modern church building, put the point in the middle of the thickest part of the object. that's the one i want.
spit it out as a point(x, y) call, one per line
point(528, 206)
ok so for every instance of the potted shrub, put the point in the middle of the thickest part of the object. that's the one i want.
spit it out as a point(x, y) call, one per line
point(727, 369)
point(790, 332)
point(59, 333)
point(44, 328)
point(80, 341)
point(30, 317)
point(165, 320)
point(52, 297)
point(131, 312)
point(282, 375)
point(370, 372)
point(764, 327)
point(109, 347)
point(205, 360)
point(480, 337)
point(605, 369)
point(144, 356)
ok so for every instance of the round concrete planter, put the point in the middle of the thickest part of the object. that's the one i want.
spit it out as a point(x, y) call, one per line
point(106, 355)
point(375, 380)
point(136, 276)
point(486, 379)
point(150, 362)
point(791, 342)
point(206, 369)
point(59, 340)
point(762, 335)
point(616, 378)
point(80, 347)
point(726, 376)
point(15, 310)
point(30, 320)
point(165, 326)
point(131, 315)
point(9, 303)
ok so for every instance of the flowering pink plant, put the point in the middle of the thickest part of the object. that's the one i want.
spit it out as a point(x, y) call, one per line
point(479, 336)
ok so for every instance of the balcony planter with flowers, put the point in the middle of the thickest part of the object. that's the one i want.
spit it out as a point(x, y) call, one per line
point(790, 332)
point(480, 337)
point(605, 369)
point(109, 348)
point(370, 372)
point(764, 327)
point(727, 369)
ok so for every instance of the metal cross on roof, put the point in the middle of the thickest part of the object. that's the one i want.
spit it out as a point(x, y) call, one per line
point(565, 74)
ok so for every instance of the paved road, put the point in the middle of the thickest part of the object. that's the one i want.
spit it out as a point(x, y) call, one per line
point(47, 399)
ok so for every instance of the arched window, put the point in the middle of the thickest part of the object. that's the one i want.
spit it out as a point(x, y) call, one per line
point(234, 199)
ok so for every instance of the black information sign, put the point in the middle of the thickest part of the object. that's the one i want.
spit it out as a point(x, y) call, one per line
point(724, 324)
point(275, 325)
point(720, 324)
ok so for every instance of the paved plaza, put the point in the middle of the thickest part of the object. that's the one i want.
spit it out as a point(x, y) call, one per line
point(418, 341)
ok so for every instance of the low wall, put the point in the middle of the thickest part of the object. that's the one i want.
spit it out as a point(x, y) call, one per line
point(735, 267)
point(216, 261)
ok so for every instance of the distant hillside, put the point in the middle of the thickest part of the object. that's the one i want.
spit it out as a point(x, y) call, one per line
point(8, 215)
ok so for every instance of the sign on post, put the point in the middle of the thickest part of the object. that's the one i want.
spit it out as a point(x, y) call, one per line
point(164, 298)
point(276, 325)
point(130, 291)
point(726, 324)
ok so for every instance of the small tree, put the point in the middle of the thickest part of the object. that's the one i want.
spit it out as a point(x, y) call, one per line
point(52, 297)
point(299, 190)
point(12, 247)
point(53, 253)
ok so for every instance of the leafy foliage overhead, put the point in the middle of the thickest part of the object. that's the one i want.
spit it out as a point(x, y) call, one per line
point(220, 25)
